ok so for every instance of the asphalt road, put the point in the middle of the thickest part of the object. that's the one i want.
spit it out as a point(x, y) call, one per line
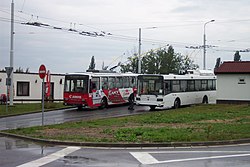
point(65, 115)
point(16, 152)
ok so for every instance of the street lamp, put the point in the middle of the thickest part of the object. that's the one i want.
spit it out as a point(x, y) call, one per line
point(139, 50)
point(11, 52)
point(139, 53)
point(204, 44)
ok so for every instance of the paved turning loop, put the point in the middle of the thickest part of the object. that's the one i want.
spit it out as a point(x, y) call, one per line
point(147, 158)
point(50, 158)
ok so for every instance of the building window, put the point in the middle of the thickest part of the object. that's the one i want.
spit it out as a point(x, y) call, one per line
point(242, 80)
point(23, 88)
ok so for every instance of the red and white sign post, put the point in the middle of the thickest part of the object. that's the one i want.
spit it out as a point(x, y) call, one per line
point(42, 74)
point(47, 89)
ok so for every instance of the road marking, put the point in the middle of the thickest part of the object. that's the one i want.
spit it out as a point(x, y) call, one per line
point(50, 158)
point(146, 159)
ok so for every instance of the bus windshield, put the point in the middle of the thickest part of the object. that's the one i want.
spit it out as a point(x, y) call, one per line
point(76, 83)
point(150, 85)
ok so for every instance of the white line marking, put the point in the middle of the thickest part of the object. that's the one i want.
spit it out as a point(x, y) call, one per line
point(171, 152)
point(50, 158)
point(146, 159)
point(205, 158)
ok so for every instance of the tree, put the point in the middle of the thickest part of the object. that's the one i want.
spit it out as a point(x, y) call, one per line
point(92, 63)
point(151, 63)
point(104, 67)
point(187, 63)
point(131, 65)
point(19, 70)
point(161, 61)
point(237, 56)
point(27, 70)
point(170, 62)
point(218, 62)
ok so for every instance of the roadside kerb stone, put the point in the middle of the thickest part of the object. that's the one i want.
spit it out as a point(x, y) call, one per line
point(129, 145)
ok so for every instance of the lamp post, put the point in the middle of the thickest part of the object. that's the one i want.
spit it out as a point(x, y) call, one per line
point(139, 50)
point(11, 52)
point(139, 53)
point(204, 44)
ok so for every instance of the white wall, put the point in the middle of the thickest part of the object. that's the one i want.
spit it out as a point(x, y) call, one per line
point(228, 87)
point(2, 83)
point(35, 85)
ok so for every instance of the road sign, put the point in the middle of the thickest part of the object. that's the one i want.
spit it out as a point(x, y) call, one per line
point(8, 71)
point(42, 71)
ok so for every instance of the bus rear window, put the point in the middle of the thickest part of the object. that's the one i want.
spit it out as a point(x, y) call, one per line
point(152, 85)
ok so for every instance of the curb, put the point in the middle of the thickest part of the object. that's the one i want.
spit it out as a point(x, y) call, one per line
point(34, 112)
point(128, 145)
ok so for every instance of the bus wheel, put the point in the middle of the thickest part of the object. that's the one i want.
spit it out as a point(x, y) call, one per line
point(152, 108)
point(79, 107)
point(177, 103)
point(104, 103)
point(205, 100)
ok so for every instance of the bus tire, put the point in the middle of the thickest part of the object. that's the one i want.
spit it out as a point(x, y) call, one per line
point(177, 103)
point(104, 103)
point(152, 108)
point(79, 107)
point(205, 100)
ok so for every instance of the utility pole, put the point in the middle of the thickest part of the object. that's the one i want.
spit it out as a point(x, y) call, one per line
point(139, 53)
point(11, 52)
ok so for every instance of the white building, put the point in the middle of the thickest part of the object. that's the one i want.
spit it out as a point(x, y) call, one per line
point(233, 82)
point(28, 87)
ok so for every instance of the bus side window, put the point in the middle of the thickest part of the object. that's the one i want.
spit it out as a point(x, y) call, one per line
point(125, 82)
point(132, 82)
point(197, 84)
point(104, 83)
point(214, 84)
point(183, 85)
point(210, 84)
point(119, 82)
point(95, 83)
point(190, 85)
point(167, 87)
point(111, 82)
point(176, 86)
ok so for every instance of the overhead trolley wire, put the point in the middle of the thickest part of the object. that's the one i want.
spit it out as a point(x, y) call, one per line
point(105, 34)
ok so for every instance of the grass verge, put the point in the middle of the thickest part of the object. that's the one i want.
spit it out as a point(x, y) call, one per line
point(196, 123)
point(28, 108)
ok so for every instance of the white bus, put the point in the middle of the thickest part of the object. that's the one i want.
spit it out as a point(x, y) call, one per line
point(173, 91)
point(98, 88)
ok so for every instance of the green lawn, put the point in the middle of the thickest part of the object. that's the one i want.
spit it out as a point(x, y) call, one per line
point(195, 123)
point(28, 108)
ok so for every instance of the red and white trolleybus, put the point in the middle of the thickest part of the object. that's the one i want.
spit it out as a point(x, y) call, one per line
point(98, 88)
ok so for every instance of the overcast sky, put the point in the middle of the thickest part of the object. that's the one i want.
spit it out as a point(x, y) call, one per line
point(179, 23)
